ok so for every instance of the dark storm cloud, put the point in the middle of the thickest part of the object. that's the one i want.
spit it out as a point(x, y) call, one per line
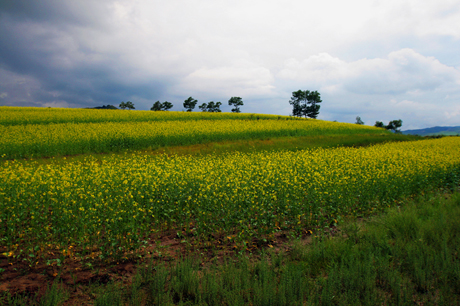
point(369, 58)
point(82, 12)
point(44, 62)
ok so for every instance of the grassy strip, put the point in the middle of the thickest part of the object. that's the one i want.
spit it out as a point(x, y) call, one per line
point(248, 146)
point(25, 141)
point(409, 255)
point(284, 143)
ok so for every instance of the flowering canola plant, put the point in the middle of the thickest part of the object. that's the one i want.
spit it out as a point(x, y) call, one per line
point(54, 139)
point(40, 115)
point(112, 204)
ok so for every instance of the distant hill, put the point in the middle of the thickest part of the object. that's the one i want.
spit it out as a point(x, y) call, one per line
point(106, 107)
point(433, 131)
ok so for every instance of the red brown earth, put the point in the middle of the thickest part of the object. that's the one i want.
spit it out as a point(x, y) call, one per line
point(18, 278)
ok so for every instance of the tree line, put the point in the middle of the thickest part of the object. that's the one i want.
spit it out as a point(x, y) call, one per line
point(189, 104)
point(305, 103)
point(393, 125)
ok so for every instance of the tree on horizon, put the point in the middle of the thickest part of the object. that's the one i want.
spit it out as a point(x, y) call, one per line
point(157, 106)
point(128, 105)
point(359, 121)
point(190, 104)
point(305, 103)
point(236, 102)
point(393, 125)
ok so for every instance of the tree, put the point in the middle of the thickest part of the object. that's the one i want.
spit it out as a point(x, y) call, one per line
point(190, 104)
point(128, 105)
point(379, 124)
point(156, 106)
point(166, 105)
point(108, 106)
point(297, 100)
point(305, 103)
point(313, 99)
point(214, 107)
point(211, 107)
point(359, 121)
point(394, 125)
point(203, 107)
point(236, 101)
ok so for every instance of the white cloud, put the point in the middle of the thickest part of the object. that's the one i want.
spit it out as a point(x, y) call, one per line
point(3, 95)
point(405, 85)
point(62, 104)
point(359, 54)
point(241, 79)
point(453, 113)
point(412, 17)
point(317, 68)
point(403, 71)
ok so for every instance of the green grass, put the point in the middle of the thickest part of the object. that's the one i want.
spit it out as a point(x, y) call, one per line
point(444, 134)
point(53, 296)
point(284, 144)
point(409, 255)
point(247, 146)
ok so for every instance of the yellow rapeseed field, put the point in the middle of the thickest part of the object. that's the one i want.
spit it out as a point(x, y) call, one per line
point(40, 115)
point(110, 205)
point(44, 137)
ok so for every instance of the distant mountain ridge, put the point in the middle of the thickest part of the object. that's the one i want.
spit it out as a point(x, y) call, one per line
point(437, 130)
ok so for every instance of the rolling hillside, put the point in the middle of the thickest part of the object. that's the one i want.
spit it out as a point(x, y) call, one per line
point(95, 203)
point(437, 130)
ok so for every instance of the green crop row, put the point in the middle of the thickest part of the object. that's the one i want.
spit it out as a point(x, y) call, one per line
point(110, 206)
point(39, 140)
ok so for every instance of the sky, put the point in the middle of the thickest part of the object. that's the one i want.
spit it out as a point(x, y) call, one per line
point(380, 60)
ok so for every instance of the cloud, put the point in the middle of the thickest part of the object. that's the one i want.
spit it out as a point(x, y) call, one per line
point(402, 71)
point(82, 13)
point(410, 17)
point(62, 104)
point(401, 85)
point(17, 89)
point(317, 68)
point(361, 55)
point(241, 79)
point(453, 113)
